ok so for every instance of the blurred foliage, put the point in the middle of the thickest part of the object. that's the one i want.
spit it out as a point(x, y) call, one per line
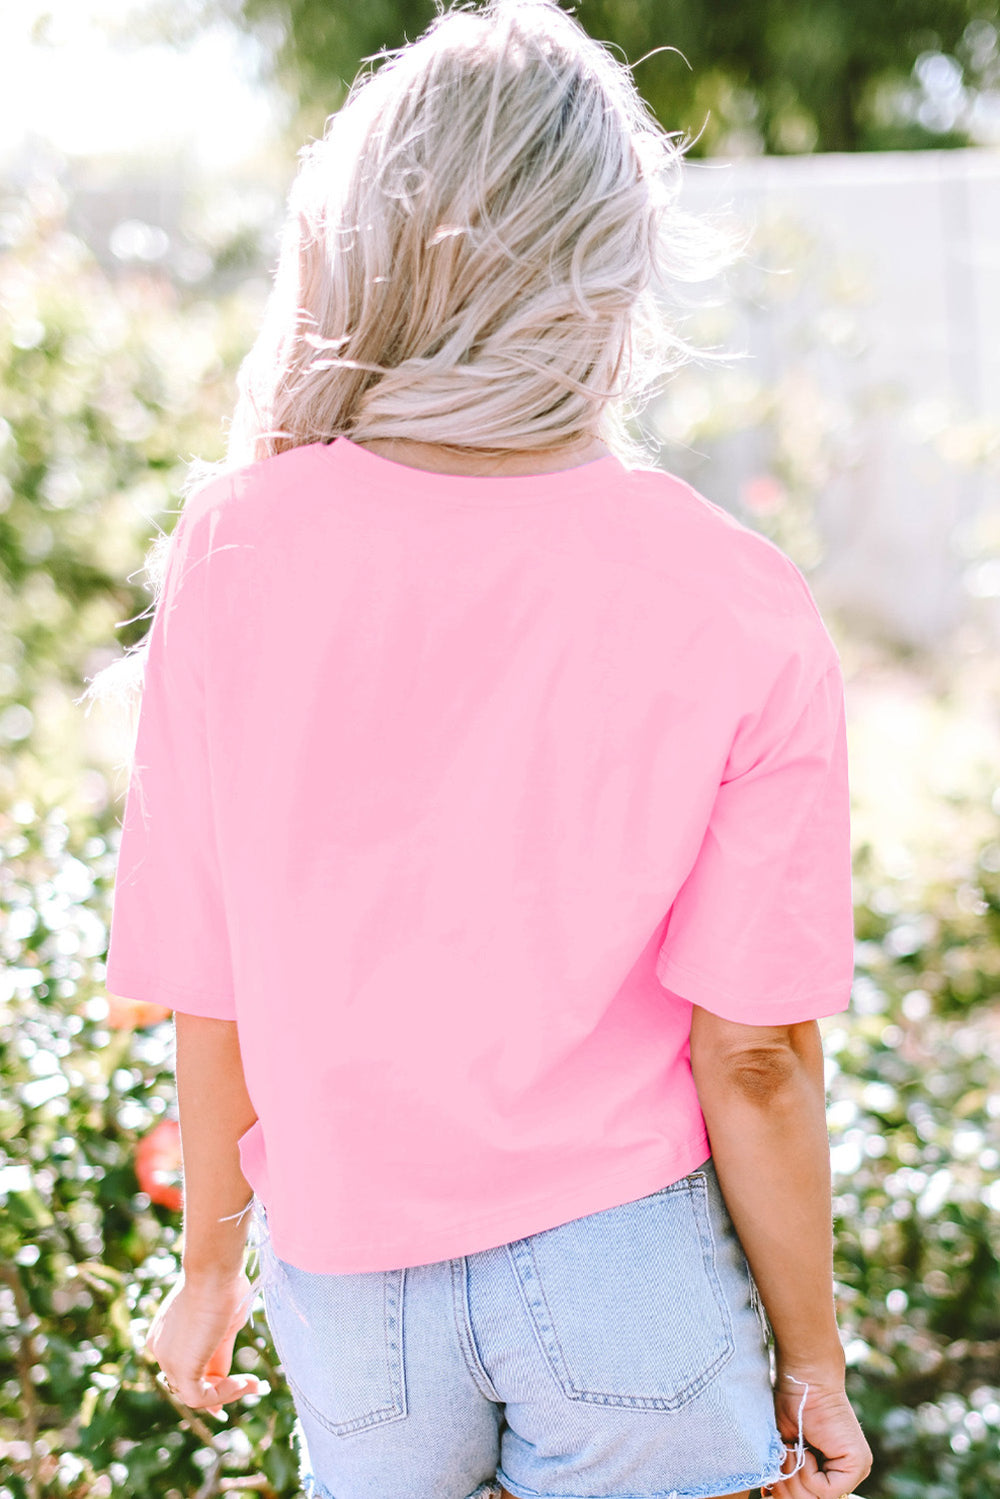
point(915, 1118)
point(787, 76)
point(108, 386)
point(84, 1253)
point(105, 388)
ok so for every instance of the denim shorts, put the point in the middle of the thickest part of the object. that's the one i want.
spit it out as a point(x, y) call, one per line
point(622, 1355)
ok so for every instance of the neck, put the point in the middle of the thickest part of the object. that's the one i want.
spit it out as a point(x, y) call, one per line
point(441, 459)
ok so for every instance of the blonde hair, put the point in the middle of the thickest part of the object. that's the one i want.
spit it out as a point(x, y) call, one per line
point(471, 250)
point(479, 252)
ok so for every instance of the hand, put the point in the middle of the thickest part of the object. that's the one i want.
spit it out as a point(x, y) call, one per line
point(192, 1338)
point(837, 1457)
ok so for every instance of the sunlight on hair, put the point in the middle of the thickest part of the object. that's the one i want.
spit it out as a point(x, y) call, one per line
point(484, 250)
point(478, 250)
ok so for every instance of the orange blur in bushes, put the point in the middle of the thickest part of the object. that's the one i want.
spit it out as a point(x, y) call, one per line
point(157, 1162)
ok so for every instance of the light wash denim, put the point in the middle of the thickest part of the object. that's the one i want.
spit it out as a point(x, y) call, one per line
point(622, 1355)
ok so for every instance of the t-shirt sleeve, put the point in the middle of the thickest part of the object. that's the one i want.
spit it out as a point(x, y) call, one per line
point(762, 930)
point(169, 940)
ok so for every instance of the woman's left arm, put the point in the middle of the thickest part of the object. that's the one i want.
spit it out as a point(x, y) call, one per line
point(194, 1331)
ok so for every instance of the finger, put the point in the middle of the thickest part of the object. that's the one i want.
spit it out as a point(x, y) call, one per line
point(798, 1485)
point(830, 1484)
point(221, 1360)
point(222, 1391)
point(791, 1466)
point(195, 1394)
point(839, 1475)
point(783, 1484)
point(821, 1486)
point(234, 1386)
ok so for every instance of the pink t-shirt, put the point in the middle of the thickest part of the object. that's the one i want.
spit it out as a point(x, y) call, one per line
point(456, 793)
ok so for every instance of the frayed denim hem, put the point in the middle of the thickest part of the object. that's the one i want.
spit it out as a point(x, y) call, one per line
point(796, 1450)
point(776, 1458)
point(313, 1489)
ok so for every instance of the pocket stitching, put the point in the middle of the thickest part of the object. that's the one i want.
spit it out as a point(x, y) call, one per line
point(695, 1189)
point(394, 1366)
point(703, 1222)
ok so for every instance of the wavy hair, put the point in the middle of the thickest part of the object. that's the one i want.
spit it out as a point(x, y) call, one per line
point(481, 252)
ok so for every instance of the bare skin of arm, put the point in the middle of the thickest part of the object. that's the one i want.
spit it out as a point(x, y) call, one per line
point(194, 1330)
point(762, 1092)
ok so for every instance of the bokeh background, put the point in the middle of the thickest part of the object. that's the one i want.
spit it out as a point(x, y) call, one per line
point(145, 151)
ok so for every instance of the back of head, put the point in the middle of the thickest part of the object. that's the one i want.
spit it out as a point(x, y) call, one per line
point(475, 255)
point(472, 250)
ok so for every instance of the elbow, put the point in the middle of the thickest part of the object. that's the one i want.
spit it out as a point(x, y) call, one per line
point(760, 1065)
point(760, 1075)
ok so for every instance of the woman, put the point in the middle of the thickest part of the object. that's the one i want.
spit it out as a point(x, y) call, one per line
point(489, 835)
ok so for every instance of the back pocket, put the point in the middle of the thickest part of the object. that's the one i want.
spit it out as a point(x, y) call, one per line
point(340, 1342)
point(627, 1302)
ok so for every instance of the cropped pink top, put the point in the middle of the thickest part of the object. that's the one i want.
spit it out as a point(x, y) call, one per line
point(455, 793)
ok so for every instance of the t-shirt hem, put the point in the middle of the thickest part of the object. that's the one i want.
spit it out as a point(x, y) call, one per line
point(173, 996)
point(699, 990)
point(517, 1222)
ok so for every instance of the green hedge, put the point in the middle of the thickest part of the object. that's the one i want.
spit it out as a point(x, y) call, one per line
point(105, 386)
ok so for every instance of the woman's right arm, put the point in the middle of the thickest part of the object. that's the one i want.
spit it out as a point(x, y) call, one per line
point(762, 1092)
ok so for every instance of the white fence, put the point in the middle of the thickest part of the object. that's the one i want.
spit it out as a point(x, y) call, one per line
point(882, 340)
point(869, 303)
